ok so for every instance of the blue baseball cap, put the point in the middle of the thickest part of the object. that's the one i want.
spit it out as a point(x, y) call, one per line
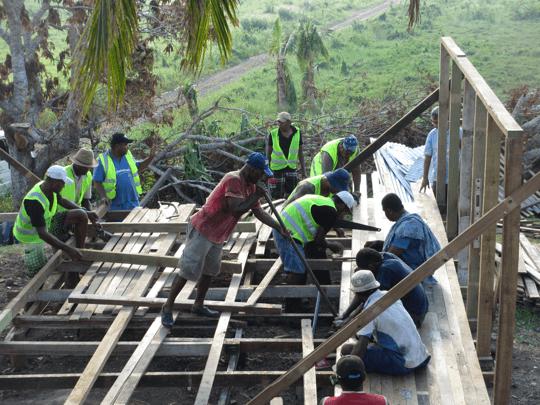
point(259, 161)
point(350, 144)
point(339, 179)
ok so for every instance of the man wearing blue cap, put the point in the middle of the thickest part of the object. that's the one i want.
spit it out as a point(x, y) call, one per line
point(237, 193)
point(336, 154)
point(116, 178)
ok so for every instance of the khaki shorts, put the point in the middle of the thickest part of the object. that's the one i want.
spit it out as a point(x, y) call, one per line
point(200, 256)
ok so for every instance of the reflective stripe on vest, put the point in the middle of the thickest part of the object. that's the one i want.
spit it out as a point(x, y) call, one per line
point(109, 184)
point(332, 149)
point(23, 229)
point(69, 191)
point(297, 216)
point(278, 160)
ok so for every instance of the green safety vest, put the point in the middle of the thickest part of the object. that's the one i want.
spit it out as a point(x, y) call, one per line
point(332, 149)
point(23, 229)
point(278, 160)
point(297, 216)
point(109, 184)
point(69, 191)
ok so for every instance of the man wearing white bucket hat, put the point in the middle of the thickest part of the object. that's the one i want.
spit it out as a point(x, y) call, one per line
point(38, 220)
point(400, 349)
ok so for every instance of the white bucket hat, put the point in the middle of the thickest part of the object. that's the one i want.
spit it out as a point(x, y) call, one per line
point(363, 280)
point(347, 198)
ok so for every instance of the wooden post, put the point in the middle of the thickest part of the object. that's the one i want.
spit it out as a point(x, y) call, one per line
point(444, 103)
point(508, 275)
point(477, 193)
point(453, 154)
point(487, 248)
point(466, 175)
point(155, 188)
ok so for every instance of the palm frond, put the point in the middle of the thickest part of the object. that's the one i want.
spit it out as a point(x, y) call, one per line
point(203, 18)
point(274, 43)
point(106, 46)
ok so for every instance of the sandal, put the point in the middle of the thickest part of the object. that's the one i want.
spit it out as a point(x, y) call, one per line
point(205, 311)
point(166, 318)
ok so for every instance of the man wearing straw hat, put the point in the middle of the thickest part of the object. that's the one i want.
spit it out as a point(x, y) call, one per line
point(80, 191)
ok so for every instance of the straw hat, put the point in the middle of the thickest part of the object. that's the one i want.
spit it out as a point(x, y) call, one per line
point(84, 157)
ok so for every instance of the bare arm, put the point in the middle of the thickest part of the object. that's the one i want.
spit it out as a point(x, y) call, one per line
point(44, 234)
point(67, 204)
point(320, 237)
point(146, 162)
point(360, 348)
point(98, 185)
point(356, 179)
point(86, 204)
point(425, 180)
point(301, 190)
point(395, 250)
point(327, 164)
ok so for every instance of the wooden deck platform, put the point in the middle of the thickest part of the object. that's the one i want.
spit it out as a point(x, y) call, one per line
point(452, 377)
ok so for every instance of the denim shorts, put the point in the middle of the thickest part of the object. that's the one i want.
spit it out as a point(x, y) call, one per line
point(289, 257)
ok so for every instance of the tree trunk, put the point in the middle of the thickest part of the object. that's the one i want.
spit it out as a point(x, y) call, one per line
point(281, 92)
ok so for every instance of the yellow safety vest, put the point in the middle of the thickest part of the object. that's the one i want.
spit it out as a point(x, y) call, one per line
point(297, 216)
point(69, 191)
point(278, 159)
point(23, 229)
point(332, 149)
point(109, 184)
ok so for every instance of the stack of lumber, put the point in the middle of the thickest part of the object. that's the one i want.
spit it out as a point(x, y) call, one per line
point(529, 227)
point(528, 285)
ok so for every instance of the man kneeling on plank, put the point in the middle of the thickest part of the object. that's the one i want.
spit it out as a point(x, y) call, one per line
point(400, 350)
point(237, 193)
point(310, 218)
point(38, 221)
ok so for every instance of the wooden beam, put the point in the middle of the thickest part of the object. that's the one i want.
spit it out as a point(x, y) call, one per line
point(310, 382)
point(32, 178)
point(264, 283)
point(179, 304)
point(146, 259)
point(452, 214)
point(8, 216)
point(151, 379)
point(429, 267)
point(484, 303)
point(508, 276)
point(416, 112)
point(155, 188)
point(164, 227)
point(444, 106)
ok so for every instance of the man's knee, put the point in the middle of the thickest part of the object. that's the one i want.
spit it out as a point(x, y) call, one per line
point(347, 349)
point(76, 217)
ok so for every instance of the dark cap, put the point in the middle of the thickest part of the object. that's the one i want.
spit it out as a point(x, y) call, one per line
point(350, 368)
point(339, 179)
point(259, 161)
point(119, 137)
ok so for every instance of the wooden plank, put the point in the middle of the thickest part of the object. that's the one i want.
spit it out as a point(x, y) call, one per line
point(100, 357)
point(466, 175)
point(487, 249)
point(410, 385)
point(8, 216)
point(532, 289)
point(508, 277)
point(145, 259)
point(264, 235)
point(439, 359)
point(452, 213)
point(264, 283)
point(452, 48)
point(245, 235)
point(152, 379)
point(178, 304)
point(310, 383)
point(164, 227)
point(444, 107)
point(233, 363)
point(116, 242)
point(155, 188)
point(368, 152)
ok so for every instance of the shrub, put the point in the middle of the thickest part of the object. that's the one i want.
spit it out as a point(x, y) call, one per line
point(285, 14)
point(249, 24)
point(358, 26)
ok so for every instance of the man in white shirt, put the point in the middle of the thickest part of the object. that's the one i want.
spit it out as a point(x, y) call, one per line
point(400, 350)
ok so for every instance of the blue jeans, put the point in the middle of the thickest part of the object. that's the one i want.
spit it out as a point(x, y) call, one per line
point(289, 257)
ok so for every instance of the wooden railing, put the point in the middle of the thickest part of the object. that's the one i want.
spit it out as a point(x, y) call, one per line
point(473, 184)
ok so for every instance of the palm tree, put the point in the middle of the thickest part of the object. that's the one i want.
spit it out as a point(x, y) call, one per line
point(112, 35)
point(277, 46)
point(309, 45)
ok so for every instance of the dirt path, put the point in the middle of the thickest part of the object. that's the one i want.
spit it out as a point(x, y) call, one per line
point(230, 75)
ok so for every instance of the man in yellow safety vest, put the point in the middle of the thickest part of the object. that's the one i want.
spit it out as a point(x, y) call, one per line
point(38, 220)
point(284, 151)
point(117, 178)
point(80, 172)
point(336, 154)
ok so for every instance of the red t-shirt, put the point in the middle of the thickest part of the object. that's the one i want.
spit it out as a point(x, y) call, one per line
point(215, 221)
point(356, 398)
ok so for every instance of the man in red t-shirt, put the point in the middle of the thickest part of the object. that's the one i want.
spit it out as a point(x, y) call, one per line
point(351, 374)
point(237, 193)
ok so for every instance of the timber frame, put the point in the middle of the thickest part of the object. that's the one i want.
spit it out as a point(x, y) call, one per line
point(124, 294)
